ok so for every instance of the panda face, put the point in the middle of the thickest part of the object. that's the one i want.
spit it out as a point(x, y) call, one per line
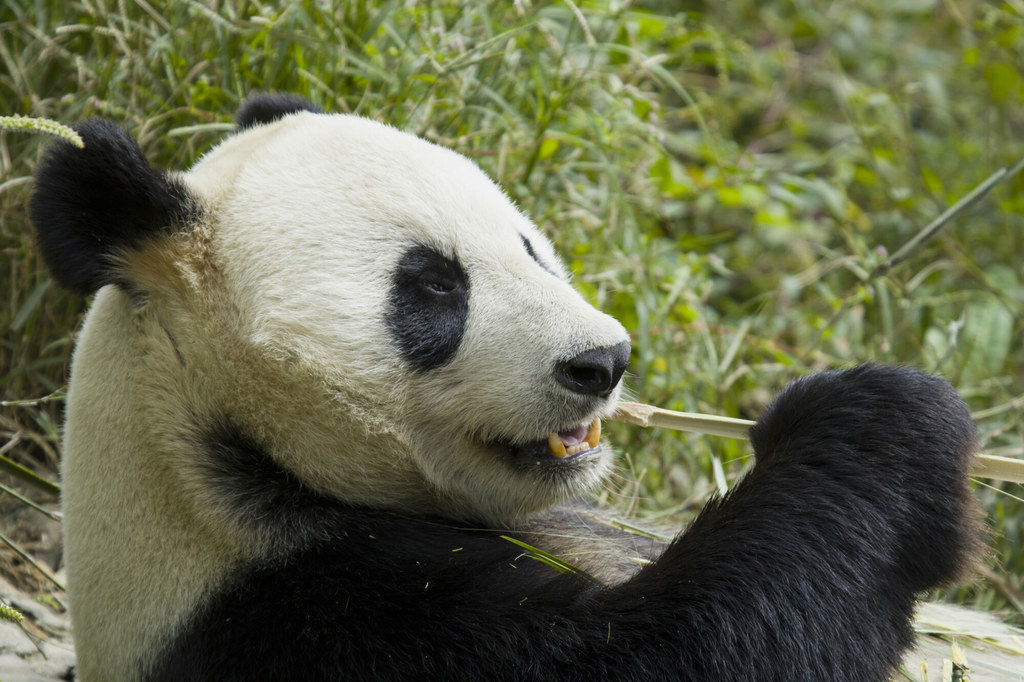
point(401, 285)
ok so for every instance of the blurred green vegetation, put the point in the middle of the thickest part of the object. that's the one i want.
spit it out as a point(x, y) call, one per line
point(724, 178)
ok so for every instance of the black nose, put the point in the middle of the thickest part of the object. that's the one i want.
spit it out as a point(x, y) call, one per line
point(594, 372)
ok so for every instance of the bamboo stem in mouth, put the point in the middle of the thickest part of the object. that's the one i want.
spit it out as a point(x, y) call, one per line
point(648, 415)
point(985, 466)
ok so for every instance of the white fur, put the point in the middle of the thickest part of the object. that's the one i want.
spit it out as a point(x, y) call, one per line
point(272, 312)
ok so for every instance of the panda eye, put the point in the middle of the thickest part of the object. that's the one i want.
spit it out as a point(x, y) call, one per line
point(438, 286)
point(431, 276)
point(533, 255)
point(438, 282)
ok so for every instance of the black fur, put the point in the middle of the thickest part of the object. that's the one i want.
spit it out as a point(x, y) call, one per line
point(262, 109)
point(89, 204)
point(428, 307)
point(533, 255)
point(264, 497)
point(806, 570)
point(596, 371)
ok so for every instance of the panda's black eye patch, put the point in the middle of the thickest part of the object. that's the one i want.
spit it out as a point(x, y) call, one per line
point(428, 307)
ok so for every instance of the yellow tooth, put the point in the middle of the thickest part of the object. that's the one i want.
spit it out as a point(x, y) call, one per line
point(556, 446)
point(594, 434)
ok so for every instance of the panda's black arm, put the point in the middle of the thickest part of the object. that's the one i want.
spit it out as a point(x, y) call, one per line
point(807, 570)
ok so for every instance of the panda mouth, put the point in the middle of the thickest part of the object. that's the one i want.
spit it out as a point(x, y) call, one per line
point(577, 441)
point(564, 445)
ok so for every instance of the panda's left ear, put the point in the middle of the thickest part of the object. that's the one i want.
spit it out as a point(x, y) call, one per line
point(91, 205)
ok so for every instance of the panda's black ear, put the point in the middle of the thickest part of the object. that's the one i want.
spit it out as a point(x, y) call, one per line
point(89, 205)
point(261, 109)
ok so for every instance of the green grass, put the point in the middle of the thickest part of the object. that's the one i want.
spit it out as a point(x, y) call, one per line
point(725, 180)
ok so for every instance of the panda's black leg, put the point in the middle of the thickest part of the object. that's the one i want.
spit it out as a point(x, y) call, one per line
point(900, 443)
point(809, 567)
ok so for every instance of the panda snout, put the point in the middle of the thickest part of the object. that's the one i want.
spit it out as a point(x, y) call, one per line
point(595, 372)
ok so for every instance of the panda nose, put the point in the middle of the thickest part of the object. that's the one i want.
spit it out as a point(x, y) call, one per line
point(594, 372)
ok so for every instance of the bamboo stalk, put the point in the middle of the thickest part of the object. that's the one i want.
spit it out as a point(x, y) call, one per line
point(24, 500)
point(985, 466)
point(999, 468)
point(648, 415)
point(43, 570)
point(28, 476)
point(947, 216)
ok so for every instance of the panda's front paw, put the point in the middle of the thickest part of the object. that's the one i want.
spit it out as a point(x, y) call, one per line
point(885, 414)
point(895, 440)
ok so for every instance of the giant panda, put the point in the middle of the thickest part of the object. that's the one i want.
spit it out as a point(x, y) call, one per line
point(331, 368)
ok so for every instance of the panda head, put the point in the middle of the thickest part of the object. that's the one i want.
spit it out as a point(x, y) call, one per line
point(366, 306)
